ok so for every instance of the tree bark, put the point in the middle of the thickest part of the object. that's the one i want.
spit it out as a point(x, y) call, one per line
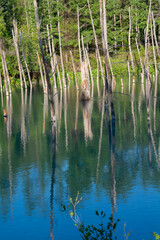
point(107, 73)
point(74, 70)
point(154, 54)
point(129, 40)
point(51, 59)
point(96, 41)
point(79, 37)
point(52, 110)
point(7, 74)
point(15, 40)
point(146, 63)
point(60, 49)
point(29, 77)
point(155, 37)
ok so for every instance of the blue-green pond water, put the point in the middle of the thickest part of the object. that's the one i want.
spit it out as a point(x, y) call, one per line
point(114, 169)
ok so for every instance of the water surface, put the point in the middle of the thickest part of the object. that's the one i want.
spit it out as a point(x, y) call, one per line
point(114, 168)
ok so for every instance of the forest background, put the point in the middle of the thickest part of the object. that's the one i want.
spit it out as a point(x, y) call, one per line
point(22, 12)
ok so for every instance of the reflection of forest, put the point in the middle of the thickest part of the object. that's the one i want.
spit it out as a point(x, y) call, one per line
point(113, 164)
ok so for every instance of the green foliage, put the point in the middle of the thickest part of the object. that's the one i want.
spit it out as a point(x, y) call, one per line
point(102, 231)
point(156, 235)
point(23, 12)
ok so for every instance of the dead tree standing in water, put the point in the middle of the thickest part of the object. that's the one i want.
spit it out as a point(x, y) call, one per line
point(107, 72)
point(53, 118)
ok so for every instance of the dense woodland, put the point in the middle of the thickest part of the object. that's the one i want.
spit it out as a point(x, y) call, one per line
point(126, 25)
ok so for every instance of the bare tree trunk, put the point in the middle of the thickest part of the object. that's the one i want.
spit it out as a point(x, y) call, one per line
point(146, 63)
point(105, 49)
point(120, 17)
point(60, 49)
point(154, 54)
point(56, 62)
point(24, 78)
point(155, 37)
point(15, 40)
point(4, 71)
point(68, 78)
point(97, 69)
point(129, 40)
point(85, 83)
point(83, 51)
point(45, 79)
point(74, 70)
point(29, 77)
point(51, 59)
point(96, 42)
point(7, 74)
point(79, 37)
point(52, 110)
point(89, 65)
point(115, 39)
point(139, 56)
point(85, 86)
point(41, 72)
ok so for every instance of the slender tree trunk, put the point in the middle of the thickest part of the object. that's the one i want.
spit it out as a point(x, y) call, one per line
point(29, 76)
point(115, 39)
point(24, 78)
point(120, 17)
point(155, 37)
point(85, 83)
point(52, 110)
point(4, 71)
point(7, 74)
point(89, 65)
point(96, 41)
point(105, 49)
point(139, 55)
point(129, 40)
point(56, 62)
point(106, 40)
point(79, 37)
point(15, 40)
point(146, 63)
point(97, 69)
point(51, 59)
point(41, 72)
point(74, 70)
point(60, 48)
point(154, 54)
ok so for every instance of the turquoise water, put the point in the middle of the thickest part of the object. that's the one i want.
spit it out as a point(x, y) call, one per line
point(113, 169)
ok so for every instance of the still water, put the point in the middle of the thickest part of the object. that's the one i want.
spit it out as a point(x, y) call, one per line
point(113, 169)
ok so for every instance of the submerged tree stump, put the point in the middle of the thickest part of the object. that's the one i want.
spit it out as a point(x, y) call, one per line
point(85, 85)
